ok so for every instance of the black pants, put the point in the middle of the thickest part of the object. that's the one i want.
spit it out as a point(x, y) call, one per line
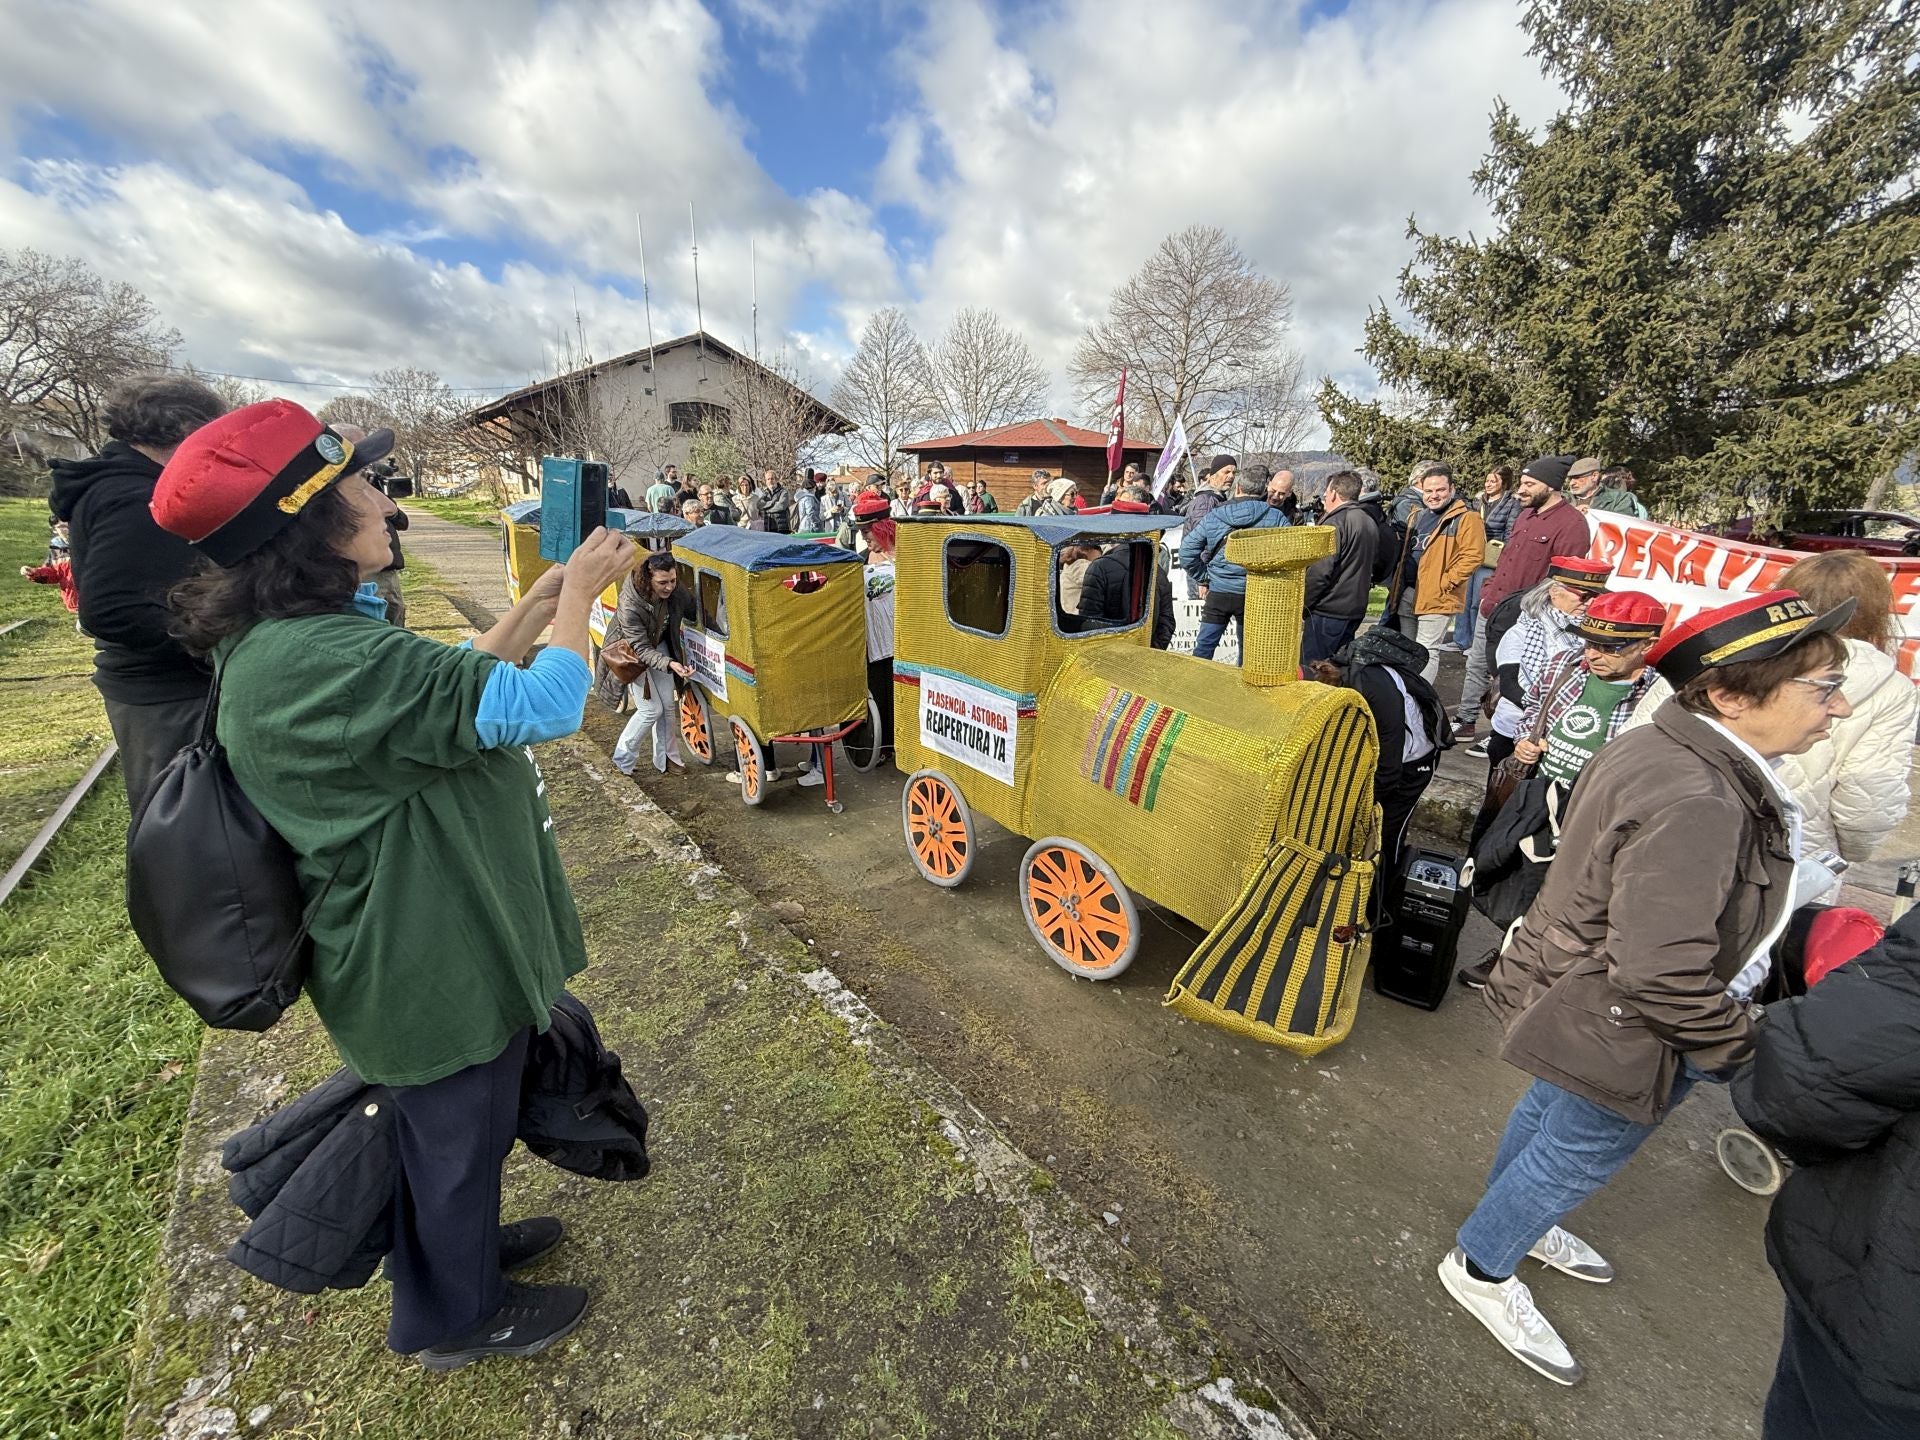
point(1813, 1398)
point(453, 1135)
point(1325, 635)
point(880, 687)
point(1397, 798)
point(151, 735)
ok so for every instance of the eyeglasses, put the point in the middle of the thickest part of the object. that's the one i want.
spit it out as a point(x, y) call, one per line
point(1613, 647)
point(1827, 688)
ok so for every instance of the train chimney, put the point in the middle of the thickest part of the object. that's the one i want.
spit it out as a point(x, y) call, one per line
point(1276, 563)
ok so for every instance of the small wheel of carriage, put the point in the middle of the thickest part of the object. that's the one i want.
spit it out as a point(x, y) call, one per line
point(939, 827)
point(1749, 1161)
point(1078, 910)
point(696, 725)
point(750, 758)
point(864, 746)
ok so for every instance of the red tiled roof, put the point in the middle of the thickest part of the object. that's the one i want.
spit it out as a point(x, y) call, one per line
point(1054, 434)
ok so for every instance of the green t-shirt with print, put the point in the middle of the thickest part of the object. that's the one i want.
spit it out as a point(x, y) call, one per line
point(448, 925)
point(1581, 729)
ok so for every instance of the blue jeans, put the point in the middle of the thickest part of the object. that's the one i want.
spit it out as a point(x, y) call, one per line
point(1558, 1149)
point(1220, 609)
point(1463, 627)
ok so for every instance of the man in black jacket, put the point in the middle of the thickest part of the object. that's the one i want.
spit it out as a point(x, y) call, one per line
point(1339, 586)
point(124, 565)
point(1835, 1083)
point(1106, 592)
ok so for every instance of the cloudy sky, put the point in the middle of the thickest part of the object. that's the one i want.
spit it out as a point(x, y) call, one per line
point(314, 191)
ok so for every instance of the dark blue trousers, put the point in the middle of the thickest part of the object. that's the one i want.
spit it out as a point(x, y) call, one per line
point(1813, 1398)
point(454, 1135)
point(1325, 635)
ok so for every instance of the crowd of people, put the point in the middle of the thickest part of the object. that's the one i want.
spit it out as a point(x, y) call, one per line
point(1662, 799)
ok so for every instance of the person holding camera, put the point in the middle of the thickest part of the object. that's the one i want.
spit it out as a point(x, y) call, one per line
point(400, 771)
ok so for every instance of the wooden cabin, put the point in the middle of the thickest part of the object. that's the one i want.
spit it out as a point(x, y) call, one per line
point(1006, 457)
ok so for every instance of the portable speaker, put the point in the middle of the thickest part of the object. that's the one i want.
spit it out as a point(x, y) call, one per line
point(573, 504)
point(1413, 957)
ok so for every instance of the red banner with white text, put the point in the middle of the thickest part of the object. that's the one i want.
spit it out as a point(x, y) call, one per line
point(1688, 572)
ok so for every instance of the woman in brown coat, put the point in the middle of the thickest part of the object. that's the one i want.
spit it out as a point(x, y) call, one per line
point(649, 608)
point(1633, 974)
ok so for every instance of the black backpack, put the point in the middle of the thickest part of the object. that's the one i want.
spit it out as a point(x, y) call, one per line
point(213, 891)
point(577, 1110)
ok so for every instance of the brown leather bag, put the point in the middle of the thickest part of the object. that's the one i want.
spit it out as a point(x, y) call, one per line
point(621, 661)
point(1508, 774)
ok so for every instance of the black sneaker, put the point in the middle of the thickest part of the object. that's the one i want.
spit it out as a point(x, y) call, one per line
point(533, 1317)
point(1474, 977)
point(525, 1241)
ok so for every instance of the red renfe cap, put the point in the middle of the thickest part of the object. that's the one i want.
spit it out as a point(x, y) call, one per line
point(238, 481)
point(1622, 615)
point(1577, 572)
point(1755, 627)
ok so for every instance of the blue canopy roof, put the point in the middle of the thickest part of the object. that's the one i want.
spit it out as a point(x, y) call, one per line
point(1057, 529)
point(633, 522)
point(757, 550)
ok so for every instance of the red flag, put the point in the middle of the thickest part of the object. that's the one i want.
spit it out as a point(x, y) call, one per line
point(1117, 431)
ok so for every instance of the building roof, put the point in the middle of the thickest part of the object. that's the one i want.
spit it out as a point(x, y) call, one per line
point(1054, 434)
point(834, 422)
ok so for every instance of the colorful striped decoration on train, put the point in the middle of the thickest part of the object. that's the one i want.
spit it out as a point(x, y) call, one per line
point(1129, 744)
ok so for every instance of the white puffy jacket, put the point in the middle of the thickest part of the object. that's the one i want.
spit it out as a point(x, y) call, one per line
point(1852, 786)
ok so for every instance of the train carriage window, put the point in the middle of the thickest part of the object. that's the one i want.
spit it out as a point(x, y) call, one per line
point(713, 604)
point(979, 585)
point(1114, 598)
point(686, 578)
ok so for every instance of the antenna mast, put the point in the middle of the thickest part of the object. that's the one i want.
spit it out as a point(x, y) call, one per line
point(646, 299)
point(700, 325)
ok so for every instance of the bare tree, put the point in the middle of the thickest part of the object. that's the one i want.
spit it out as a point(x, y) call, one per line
point(775, 417)
point(983, 374)
point(357, 409)
point(1201, 333)
point(425, 419)
point(885, 390)
point(66, 337)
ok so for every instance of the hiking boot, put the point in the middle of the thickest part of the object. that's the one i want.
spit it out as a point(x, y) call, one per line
point(1506, 1308)
point(525, 1241)
point(1474, 977)
point(1570, 1255)
point(533, 1317)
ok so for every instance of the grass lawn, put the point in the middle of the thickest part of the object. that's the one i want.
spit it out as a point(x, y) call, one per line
point(476, 510)
point(97, 1056)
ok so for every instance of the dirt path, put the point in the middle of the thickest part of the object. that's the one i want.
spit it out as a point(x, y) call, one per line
point(466, 557)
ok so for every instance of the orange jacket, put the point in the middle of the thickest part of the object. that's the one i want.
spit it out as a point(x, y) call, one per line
point(1458, 546)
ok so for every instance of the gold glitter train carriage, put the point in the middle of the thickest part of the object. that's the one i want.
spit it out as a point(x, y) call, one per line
point(1238, 798)
point(778, 646)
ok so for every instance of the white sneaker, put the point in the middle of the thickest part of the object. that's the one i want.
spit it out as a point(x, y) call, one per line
point(1571, 1255)
point(812, 777)
point(1507, 1310)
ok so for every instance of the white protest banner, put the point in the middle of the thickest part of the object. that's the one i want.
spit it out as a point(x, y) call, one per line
point(708, 658)
point(1170, 456)
point(976, 727)
point(1689, 572)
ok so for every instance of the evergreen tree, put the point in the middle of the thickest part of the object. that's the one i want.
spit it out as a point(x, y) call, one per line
point(1696, 269)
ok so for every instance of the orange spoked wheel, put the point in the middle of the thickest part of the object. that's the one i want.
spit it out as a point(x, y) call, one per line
point(1078, 910)
point(939, 827)
point(750, 759)
point(696, 729)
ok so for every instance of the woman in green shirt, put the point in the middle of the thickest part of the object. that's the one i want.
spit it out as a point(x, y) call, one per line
point(402, 774)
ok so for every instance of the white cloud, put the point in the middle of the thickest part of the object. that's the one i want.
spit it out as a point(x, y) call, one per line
point(1045, 152)
point(1080, 141)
